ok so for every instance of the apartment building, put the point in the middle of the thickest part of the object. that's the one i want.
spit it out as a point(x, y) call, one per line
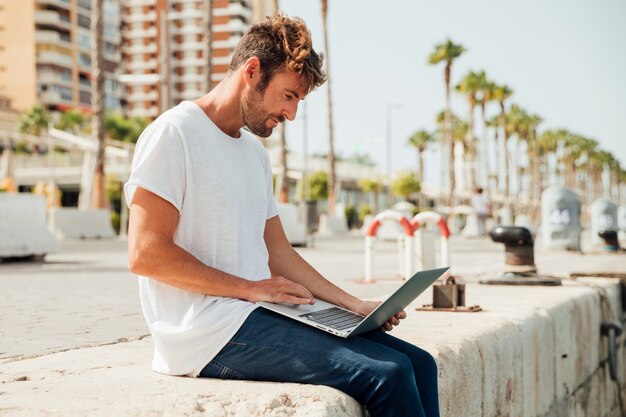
point(169, 55)
point(45, 53)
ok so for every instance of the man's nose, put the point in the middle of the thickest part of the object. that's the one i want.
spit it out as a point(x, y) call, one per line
point(290, 112)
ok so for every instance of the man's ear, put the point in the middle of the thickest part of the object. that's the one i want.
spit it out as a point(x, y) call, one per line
point(252, 70)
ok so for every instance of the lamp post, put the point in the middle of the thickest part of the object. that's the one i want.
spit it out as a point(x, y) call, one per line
point(390, 107)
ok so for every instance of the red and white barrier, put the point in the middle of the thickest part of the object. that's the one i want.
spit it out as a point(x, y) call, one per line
point(370, 238)
point(431, 217)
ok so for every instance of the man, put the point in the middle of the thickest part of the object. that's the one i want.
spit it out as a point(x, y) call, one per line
point(206, 242)
point(482, 207)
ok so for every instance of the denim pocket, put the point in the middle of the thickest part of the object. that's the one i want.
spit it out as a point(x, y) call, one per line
point(215, 369)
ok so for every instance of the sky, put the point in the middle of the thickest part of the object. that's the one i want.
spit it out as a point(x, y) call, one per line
point(564, 59)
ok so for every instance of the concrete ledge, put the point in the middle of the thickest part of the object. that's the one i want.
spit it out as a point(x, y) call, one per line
point(72, 223)
point(116, 380)
point(23, 226)
point(534, 351)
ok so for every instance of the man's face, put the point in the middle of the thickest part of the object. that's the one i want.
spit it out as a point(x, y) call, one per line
point(263, 111)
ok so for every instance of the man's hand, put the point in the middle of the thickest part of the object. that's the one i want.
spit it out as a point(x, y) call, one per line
point(366, 307)
point(279, 290)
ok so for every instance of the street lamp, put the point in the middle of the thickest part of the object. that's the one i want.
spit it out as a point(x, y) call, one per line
point(390, 107)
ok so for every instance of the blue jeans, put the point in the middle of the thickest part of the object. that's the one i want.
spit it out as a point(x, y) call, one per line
point(388, 376)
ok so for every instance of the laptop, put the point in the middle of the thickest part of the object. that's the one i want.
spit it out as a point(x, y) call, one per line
point(345, 323)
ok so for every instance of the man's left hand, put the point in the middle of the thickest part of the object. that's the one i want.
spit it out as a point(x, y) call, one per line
point(366, 307)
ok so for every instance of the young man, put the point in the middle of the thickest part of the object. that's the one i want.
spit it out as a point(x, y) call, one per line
point(206, 242)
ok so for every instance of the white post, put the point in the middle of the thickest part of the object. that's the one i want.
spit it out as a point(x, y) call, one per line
point(445, 252)
point(369, 253)
point(401, 249)
point(419, 246)
point(409, 254)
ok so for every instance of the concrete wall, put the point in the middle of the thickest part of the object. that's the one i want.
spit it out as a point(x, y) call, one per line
point(533, 352)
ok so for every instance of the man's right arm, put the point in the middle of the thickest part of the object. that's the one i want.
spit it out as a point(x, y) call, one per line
point(153, 253)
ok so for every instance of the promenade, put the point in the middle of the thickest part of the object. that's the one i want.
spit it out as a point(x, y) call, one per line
point(55, 315)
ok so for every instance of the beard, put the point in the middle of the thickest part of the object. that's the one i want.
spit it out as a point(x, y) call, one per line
point(255, 116)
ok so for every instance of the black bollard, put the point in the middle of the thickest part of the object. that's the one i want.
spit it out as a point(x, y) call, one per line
point(519, 250)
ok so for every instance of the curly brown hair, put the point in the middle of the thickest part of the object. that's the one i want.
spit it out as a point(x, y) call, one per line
point(281, 42)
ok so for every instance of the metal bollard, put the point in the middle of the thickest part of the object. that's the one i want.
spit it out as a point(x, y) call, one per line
point(612, 330)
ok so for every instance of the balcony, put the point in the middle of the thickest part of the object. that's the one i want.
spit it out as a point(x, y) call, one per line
point(51, 77)
point(140, 49)
point(52, 97)
point(141, 33)
point(142, 96)
point(187, 30)
point(190, 94)
point(139, 3)
point(189, 78)
point(187, 14)
point(48, 57)
point(63, 4)
point(52, 37)
point(233, 9)
point(52, 18)
point(139, 17)
point(150, 112)
point(234, 25)
point(230, 43)
point(141, 65)
point(189, 62)
point(189, 46)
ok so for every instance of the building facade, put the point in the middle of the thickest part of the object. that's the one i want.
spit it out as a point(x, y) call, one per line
point(169, 55)
point(45, 53)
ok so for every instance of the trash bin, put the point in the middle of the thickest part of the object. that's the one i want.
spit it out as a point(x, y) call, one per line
point(560, 219)
point(604, 225)
point(308, 215)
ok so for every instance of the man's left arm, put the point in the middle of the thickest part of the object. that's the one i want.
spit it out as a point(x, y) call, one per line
point(285, 261)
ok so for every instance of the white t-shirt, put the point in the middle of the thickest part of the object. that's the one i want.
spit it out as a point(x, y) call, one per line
point(222, 188)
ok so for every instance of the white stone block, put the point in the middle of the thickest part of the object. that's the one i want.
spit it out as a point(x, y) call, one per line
point(72, 223)
point(294, 230)
point(23, 226)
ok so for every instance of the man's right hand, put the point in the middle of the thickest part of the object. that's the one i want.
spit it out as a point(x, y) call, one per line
point(279, 290)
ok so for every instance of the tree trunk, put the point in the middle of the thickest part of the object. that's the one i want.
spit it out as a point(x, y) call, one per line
point(283, 194)
point(209, 39)
point(507, 161)
point(331, 140)
point(471, 145)
point(496, 140)
point(447, 129)
point(98, 197)
point(422, 197)
point(484, 155)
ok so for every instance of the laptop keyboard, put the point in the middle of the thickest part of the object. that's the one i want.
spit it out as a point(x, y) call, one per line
point(335, 318)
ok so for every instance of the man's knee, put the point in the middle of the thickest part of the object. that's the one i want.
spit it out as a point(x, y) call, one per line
point(397, 370)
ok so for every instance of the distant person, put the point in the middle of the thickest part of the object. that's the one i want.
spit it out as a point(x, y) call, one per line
point(207, 243)
point(482, 208)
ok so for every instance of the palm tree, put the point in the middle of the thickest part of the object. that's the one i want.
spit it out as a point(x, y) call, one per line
point(447, 52)
point(72, 120)
point(331, 140)
point(98, 196)
point(35, 122)
point(470, 85)
point(494, 123)
point(501, 93)
point(549, 144)
point(487, 90)
point(420, 140)
point(369, 185)
point(533, 122)
point(518, 124)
